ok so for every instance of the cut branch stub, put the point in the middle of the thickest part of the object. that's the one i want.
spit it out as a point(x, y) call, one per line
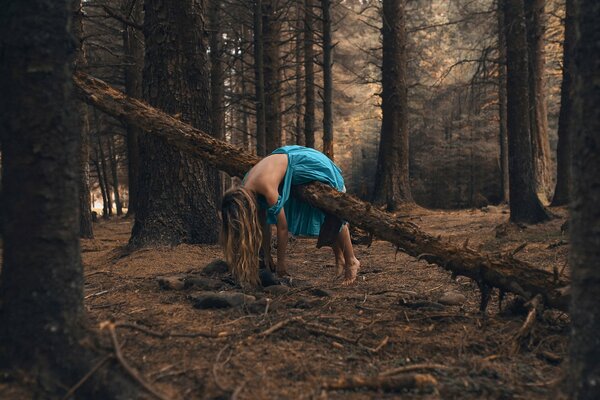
point(496, 270)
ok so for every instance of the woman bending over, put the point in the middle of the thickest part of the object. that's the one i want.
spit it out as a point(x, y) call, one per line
point(265, 198)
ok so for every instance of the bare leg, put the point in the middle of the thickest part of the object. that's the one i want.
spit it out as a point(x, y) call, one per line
point(339, 257)
point(351, 264)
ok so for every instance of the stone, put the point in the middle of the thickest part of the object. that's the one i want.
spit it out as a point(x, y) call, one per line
point(216, 267)
point(171, 282)
point(216, 300)
point(267, 278)
point(203, 283)
point(318, 292)
point(276, 290)
point(452, 299)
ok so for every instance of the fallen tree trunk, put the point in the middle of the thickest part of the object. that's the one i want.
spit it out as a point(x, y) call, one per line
point(489, 270)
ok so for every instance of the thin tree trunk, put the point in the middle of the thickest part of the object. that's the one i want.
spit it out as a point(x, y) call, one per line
point(82, 126)
point(259, 84)
point(309, 75)
point(114, 166)
point(562, 191)
point(217, 71)
point(298, 136)
point(525, 206)
point(584, 368)
point(503, 136)
point(540, 145)
point(272, 63)
point(499, 270)
point(133, 43)
point(177, 200)
point(105, 177)
point(327, 80)
point(101, 183)
point(392, 183)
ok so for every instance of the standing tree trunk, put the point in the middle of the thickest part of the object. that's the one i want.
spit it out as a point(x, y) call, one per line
point(82, 126)
point(272, 63)
point(525, 206)
point(114, 168)
point(562, 191)
point(133, 43)
point(392, 184)
point(585, 213)
point(101, 184)
point(504, 180)
point(41, 286)
point(217, 71)
point(177, 199)
point(538, 119)
point(298, 136)
point(259, 84)
point(309, 75)
point(327, 80)
point(105, 178)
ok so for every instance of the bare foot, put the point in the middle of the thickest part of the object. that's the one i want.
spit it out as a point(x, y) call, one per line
point(339, 269)
point(350, 272)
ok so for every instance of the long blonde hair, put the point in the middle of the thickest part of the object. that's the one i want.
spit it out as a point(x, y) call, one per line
point(241, 234)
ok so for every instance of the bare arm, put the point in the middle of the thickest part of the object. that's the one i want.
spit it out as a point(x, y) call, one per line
point(282, 241)
point(266, 241)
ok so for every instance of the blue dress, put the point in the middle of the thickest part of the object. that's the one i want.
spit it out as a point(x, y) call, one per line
point(304, 165)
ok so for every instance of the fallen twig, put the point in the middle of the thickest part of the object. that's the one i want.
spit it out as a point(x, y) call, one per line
point(87, 376)
point(378, 382)
point(278, 326)
point(533, 305)
point(411, 368)
point(162, 335)
point(134, 374)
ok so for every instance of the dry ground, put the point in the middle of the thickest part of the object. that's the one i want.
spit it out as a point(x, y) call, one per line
point(394, 298)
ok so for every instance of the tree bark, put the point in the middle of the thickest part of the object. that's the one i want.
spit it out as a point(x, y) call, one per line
point(217, 71)
point(133, 43)
point(525, 205)
point(82, 126)
point(392, 182)
point(41, 286)
point(562, 192)
point(259, 84)
point(503, 136)
point(105, 178)
point(298, 132)
point(114, 169)
point(177, 194)
point(540, 145)
point(497, 270)
point(271, 30)
point(309, 75)
point(327, 80)
point(585, 213)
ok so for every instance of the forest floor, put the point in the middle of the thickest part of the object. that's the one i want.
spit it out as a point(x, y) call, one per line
point(389, 319)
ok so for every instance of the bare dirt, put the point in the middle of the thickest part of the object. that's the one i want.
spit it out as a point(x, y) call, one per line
point(390, 318)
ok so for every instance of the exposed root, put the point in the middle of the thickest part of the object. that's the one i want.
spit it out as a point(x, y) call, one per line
point(378, 382)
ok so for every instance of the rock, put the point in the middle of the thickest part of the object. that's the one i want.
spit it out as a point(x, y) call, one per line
point(260, 305)
point(293, 282)
point(267, 278)
point(209, 300)
point(203, 283)
point(422, 304)
point(276, 290)
point(171, 282)
point(452, 299)
point(320, 292)
point(216, 267)
point(305, 304)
